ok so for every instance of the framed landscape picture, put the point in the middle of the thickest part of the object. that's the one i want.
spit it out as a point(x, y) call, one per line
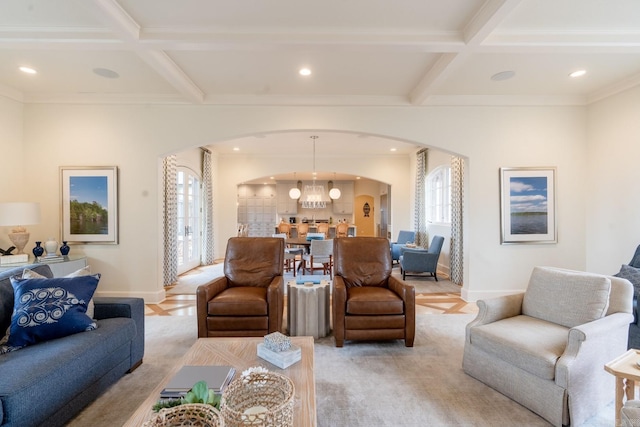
point(89, 204)
point(527, 205)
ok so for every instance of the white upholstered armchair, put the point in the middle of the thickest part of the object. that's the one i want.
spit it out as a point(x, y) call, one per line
point(546, 348)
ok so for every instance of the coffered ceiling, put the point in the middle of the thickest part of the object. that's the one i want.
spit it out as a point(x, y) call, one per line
point(360, 52)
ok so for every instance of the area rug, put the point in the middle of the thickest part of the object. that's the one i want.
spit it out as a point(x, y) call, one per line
point(361, 384)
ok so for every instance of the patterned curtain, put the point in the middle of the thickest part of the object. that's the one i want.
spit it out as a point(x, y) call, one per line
point(420, 215)
point(457, 196)
point(170, 219)
point(207, 209)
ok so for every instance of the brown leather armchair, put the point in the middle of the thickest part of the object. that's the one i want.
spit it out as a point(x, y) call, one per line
point(249, 299)
point(369, 303)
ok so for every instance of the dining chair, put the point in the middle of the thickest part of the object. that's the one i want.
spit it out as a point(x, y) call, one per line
point(285, 227)
point(341, 229)
point(303, 229)
point(323, 228)
point(320, 253)
point(291, 255)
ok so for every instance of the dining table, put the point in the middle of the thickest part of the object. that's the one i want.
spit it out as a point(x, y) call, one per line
point(299, 241)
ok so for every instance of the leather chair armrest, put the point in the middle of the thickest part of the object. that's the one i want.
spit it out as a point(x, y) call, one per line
point(204, 294)
point(403, 289)
point(275, 301)
point(408, 294)
point(339, 300)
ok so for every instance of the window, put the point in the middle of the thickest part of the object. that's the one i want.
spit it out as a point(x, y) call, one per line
point(438, 195)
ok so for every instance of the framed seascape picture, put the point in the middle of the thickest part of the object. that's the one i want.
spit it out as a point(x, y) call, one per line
point(527, 205)
point(89, 204)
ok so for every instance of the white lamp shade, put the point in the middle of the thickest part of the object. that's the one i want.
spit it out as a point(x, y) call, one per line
point(19, 213)
point(335, 193)
point(295, 193)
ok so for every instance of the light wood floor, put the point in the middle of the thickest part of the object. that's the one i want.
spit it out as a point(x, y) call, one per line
point(440, 303)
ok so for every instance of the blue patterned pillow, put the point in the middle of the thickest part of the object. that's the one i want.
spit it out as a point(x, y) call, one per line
point(632, 274)
point(45, 309)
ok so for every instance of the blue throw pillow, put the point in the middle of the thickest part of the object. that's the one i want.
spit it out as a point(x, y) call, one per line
point(45, 309)
point(632, 274)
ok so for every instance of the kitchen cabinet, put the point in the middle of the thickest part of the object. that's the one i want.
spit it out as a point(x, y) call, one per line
point(286, 205)
point(257, 209)
point(344, 205)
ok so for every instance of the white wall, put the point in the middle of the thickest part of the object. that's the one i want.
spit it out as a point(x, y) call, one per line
point(135, 137)
point(12, 165)
point(613, 182)
point(11, 152)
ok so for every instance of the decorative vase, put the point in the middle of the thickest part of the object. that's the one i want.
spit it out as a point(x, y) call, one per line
point(64, 249)
point(38, 250)
point(51, 246)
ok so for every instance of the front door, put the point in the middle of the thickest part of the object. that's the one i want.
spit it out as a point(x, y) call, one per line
point(189, 196)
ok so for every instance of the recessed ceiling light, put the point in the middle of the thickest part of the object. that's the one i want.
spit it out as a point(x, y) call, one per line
point(236, 148)
point(28, 70)
point(304, 72)
point(393, 149)
point(107, 73)
point(503, 75)
point(578, 73)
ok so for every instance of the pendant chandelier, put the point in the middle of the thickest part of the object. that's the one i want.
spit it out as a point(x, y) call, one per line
point(334, 192)
point(313, 196)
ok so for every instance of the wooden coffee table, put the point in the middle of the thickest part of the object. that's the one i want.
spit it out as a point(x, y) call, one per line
point(241, 353)
point(627, 371)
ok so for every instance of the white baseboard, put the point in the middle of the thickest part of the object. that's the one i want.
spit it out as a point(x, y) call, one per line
point(472, 296)
point(149, 297)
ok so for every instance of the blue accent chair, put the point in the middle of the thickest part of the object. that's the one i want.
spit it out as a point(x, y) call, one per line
point(417, 261)
point(404, 237)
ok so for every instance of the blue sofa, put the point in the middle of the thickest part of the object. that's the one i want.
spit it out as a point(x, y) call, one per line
point(634, 327)
point(50, 382)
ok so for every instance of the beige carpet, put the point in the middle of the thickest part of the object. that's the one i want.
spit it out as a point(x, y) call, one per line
point(362, 384)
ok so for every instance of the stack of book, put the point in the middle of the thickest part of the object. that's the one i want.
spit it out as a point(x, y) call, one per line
point(278, 350)
point(14, 259)
point(51, 258)
point(216, 377)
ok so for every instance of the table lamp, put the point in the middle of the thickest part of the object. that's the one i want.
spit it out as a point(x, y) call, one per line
point(16, 215)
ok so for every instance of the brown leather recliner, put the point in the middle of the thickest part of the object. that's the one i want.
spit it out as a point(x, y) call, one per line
point(249, 299)
point(369, 303)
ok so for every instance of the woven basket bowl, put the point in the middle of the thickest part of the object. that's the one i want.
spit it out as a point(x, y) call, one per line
point(272, 392)
point(192, 414)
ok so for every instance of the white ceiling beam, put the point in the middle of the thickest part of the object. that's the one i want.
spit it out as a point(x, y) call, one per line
point(487, 19)
point(124, 25)
point(432, 79)
point(118, 19)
